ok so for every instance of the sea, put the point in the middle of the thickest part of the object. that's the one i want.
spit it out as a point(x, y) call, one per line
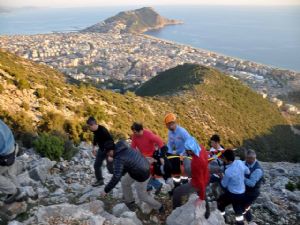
point(264, 34)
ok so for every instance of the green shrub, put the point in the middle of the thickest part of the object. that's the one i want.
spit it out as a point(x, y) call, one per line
point(27, 139)
point(1, 88)
point(290, 186)
point(69, 150)
point(22, 84)
point(52, 121)
point(49, 146)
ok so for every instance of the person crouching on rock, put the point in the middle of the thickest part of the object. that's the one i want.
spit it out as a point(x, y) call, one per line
point(199, 174)
point(8, 151)
point(130, 167)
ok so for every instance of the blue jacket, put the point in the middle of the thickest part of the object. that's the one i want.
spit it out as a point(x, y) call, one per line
point(7, 140)
point(254, 179)
point(176, 140)
point(234, 177)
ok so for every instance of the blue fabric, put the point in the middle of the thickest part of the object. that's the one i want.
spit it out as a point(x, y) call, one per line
point(255, 176)
point(234, 177)
point(153, 183)
point(176, 140)
point(7, 140)
point(192, 144)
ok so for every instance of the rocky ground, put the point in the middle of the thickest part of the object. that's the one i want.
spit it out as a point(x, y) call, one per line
point(61, 193)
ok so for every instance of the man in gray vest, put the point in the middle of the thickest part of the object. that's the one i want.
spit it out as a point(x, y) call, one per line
point(252, 181)
point(8, 150)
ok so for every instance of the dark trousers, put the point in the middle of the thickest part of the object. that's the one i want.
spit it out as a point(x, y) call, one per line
point(101, 155)
point(237, 201)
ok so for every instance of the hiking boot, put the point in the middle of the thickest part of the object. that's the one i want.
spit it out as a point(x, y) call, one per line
point(17, 197)
point(184, 181)
point(158, 189)
point(161, 210)
point(98, 183)
point(248, 216)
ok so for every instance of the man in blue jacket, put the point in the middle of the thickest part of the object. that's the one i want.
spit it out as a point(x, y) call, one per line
point(252, 181)
point(8, 182)
point(233, 183)
point(132, 167)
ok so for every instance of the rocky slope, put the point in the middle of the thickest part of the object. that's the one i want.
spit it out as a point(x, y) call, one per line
point(134, 21)
point(61, 193)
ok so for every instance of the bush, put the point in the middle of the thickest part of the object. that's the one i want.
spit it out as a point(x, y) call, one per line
point(1, 88)
point(49, 146)
point(22, 84)
point(290, 186)
point(69, 150)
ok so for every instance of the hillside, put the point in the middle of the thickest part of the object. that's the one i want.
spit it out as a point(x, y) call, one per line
point(134, 21)
point(35, 98)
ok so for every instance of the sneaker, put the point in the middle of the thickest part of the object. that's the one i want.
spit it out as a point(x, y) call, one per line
point(158, 189)
point(161, 210)
point(17, 197)
point(98, 183)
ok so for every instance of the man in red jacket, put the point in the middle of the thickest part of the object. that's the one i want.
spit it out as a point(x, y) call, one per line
point(147, 142)
point(200, 175)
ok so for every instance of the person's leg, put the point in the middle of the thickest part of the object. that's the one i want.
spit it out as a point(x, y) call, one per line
point(238, 204)
point(180, 191)
point(249, 199)
point(144, 196)
point(223, 201)
point(110, 166)
point(98, 163)
point(7, 186)
point(126, 183)
point(187, 167)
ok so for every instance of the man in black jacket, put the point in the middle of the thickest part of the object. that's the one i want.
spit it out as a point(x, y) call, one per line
point(101, 135)
point(132, 167)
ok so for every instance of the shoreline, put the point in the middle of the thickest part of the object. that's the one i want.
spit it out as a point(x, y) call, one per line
point(169, 42)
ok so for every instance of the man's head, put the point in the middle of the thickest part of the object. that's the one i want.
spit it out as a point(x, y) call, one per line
point(170, 121)
point(250, 156)
point(92, 123)
point(215, 141)
point(228, 156)
point(137, 129)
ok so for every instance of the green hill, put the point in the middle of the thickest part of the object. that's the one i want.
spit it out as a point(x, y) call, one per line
point(35, 98)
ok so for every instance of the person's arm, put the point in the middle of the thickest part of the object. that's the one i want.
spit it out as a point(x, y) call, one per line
point(225, 181)
point(106, 135)
point(246, 170)
point(254, 178)
point(118, 172)
point(184, 134)
point(156, 140)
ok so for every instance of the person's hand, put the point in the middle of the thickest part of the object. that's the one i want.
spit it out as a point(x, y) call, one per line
point(220, 175)
point(198, 202)
point(103, 194)
point(94, 152)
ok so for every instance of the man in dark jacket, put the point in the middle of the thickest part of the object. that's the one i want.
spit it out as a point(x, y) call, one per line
point(132, 167)
point(101, 135)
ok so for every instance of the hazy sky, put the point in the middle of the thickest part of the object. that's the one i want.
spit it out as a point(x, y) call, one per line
point(78, 3)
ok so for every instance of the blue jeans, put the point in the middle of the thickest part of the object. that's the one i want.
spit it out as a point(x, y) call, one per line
point(153, 183)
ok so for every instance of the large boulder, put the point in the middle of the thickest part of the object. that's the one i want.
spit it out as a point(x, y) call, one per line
point(40, 169)
point(189, 214)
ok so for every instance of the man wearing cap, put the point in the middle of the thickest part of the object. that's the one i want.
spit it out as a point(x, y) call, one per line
point(101, 135)
point(177, 136)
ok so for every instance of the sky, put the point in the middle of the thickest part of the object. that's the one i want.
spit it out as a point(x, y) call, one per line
point(88, 3)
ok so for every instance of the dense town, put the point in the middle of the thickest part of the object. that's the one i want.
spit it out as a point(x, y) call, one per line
point(135, 58)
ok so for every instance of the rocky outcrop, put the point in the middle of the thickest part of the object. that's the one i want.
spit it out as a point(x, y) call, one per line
point(135, 21)
point(190, 214)
point(61, 193)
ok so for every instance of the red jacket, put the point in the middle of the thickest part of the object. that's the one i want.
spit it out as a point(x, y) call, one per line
point(146, 143)
point(200, 172)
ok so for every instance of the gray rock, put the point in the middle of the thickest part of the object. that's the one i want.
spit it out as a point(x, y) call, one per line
point(15, 223)
point(293, 196)
point(188, 214)
point(278, 171)
point(119, 209)
point(132, 216)
point(11, 211)
point(40, 170)
point(280, 182)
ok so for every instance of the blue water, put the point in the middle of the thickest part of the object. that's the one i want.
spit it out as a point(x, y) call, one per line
point(268, 35)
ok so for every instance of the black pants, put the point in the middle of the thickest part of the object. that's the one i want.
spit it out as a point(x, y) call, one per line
point(101, 155)
point(237, 201)
point(250, 197)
